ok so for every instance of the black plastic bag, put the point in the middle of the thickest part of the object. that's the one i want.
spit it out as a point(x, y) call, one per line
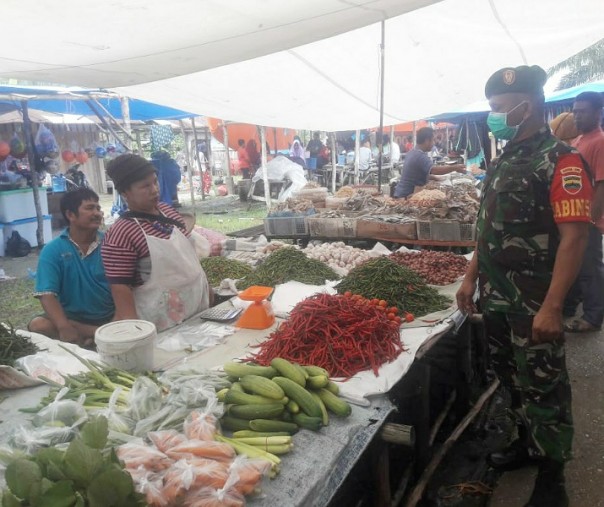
point(16, 246)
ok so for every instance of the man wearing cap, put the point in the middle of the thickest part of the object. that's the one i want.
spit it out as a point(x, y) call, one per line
point(532, 226)
point(589, 287)
point(151, 265)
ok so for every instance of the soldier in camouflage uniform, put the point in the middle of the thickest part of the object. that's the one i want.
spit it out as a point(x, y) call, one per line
point(532, 227)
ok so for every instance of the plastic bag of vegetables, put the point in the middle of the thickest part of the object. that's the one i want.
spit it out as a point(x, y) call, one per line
point(62, 412)
point(145, 398)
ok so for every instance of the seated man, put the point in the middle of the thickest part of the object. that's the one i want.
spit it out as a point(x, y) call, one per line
point(70, 281)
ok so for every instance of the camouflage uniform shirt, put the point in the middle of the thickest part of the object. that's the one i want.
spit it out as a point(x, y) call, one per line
point(536, 183)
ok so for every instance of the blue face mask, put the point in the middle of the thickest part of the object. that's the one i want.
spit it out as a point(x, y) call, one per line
point(498, 123)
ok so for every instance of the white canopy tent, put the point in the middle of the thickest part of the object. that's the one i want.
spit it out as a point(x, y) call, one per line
point(213, 58)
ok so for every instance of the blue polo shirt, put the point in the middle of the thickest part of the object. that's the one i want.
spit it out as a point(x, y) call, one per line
point(416, 170)
point(77, 280)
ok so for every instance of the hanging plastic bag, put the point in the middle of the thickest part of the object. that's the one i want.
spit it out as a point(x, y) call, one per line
point(46, 144)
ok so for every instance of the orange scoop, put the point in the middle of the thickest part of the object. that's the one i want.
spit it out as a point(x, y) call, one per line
point(259, 315)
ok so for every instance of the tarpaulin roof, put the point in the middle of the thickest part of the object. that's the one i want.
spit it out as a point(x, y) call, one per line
point(72, 101)
point(255, 62)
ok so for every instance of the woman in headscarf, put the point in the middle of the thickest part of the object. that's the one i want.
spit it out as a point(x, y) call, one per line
point(151, 265)
point(296, 152)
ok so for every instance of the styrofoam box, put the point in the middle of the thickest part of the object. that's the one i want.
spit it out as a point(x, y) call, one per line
point(27, 228)
point(19, 204)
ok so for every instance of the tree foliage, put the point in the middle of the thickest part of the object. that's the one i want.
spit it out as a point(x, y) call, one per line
point(585, 66)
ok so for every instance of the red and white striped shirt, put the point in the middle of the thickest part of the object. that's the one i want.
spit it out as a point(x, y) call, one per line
point(125, 244)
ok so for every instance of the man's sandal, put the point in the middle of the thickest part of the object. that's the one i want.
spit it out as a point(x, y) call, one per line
point(579, 325)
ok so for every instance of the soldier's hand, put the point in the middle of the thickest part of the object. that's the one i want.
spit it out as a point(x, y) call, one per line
point(547, 326)
point(465, 297)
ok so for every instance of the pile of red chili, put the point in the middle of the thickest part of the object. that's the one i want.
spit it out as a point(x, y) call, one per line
point(344, 334)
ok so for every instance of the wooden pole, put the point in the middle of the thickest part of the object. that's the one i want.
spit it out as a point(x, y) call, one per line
point(197, 157)
point(267, 185)
point(126, 120)
point(31, 158)
point(189, 165)
point(398, 434)
point(334, 161)
point(418, 491)
point(381, 130)
point(357, 148)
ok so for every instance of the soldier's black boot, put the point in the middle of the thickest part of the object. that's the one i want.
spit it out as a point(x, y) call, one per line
point(514, 456)
point(549, 490)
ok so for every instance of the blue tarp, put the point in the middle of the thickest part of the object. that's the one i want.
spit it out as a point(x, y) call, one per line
point(73, 101)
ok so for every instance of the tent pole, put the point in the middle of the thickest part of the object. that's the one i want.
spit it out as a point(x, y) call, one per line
point(267, 185)
point(227, 177)
point(414, 133)
point(190, 165)
point(275, 136)
point(126, 119)
point(334, 160)
point(203, 194)
point(139, 146)
point(31, 158)
point(357, 148)
point(381, 130)
point(104, 122)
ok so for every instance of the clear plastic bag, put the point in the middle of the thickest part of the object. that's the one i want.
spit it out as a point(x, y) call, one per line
point(166, 439)
point(46, 144)
point(226, 496)
point(151, 485)
point(31, 439)
point(117, 421)
point(170, 416)
point(249, 474)
point(135, 456)
point(201, 424)
point(145, 398)
point(202, 449)
point(62, 412)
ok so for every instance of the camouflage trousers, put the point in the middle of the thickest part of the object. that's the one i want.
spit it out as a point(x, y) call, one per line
point(536, 376)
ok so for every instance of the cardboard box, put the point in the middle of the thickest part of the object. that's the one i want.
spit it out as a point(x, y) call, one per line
point(386, 230)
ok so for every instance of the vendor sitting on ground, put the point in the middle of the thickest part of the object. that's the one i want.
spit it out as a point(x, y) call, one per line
point(418, 167)
point(152, 268)
point(70, 280)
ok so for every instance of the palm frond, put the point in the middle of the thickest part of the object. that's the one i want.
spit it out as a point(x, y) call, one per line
point(583, 67)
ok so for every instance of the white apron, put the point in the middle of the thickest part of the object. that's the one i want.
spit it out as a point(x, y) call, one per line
point(177, 287)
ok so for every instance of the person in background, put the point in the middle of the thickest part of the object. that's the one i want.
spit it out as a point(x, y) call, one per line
point(525, 261)
point(315, 145)
point(409, 144)
point(296, 153)
point(168, 176)
point(244, 160)
point(365, 155)
point(253, 154)
point(152, 268)
point(395, 153)
point(589, 287)
point(70, 279)
point(418, 167)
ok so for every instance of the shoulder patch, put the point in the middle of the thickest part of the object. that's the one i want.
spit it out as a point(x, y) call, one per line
point(572, 183)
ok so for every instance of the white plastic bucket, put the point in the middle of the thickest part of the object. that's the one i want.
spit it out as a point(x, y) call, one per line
point(127, 344)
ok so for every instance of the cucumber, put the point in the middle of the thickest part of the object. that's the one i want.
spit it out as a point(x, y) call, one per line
point(272, 425)
point(313, 371)
point(234, 397)
point(262, 386)
point(292, 407)
point(324, 414)
point(308, 422)
point(317, 381)
point(300, 395)
point(239, 370)
point(234, 424)
point(332, 387)
point(256, 411)
point(289, 370)
point(334, 404)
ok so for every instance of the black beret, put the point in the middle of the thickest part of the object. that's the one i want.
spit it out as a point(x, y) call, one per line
point(523, 79)
point(128, 169)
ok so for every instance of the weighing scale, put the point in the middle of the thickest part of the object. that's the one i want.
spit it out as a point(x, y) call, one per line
point(259, 315)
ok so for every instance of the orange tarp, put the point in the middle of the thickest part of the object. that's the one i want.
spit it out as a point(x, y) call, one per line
point(246, 132)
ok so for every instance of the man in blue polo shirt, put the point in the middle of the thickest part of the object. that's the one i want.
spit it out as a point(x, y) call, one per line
point(418, 166)
point(70, 281)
